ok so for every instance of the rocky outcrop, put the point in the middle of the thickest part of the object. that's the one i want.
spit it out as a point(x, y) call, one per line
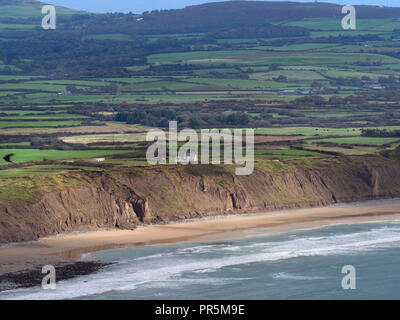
point(126, 199)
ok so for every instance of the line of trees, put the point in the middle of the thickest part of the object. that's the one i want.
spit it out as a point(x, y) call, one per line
point(380, 133)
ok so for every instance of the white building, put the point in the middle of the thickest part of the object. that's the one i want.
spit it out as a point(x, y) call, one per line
point(187, 159)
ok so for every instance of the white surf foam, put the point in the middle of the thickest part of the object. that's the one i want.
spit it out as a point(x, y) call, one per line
point(289, 276)
point(170, 268)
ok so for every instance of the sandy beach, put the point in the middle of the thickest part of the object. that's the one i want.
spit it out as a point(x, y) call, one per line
point(54, 250)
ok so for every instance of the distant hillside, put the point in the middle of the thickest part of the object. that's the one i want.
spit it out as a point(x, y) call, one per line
point(212, 16)
point(257, 12)
point(83, 40)
point(17, 2)
point(218, 16)
point(23, 9)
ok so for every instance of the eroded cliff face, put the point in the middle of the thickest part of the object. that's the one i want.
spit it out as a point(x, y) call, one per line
point(125, 199)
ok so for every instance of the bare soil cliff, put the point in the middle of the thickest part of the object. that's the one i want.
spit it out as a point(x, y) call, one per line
point(128, 197)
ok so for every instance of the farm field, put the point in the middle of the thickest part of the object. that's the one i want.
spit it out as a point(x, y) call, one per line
point(360, 141)
point(31, 171)
point(307, 96)
point(27, 155)
point(31, 124)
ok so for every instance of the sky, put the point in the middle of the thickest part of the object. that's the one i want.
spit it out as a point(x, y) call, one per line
point(139, 6)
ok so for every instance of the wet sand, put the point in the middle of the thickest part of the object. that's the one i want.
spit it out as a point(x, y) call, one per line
point(55, 250)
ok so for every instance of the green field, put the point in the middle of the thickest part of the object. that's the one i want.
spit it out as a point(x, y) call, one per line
point(271, 83)
point(4, 26)
point(32, 124)
point(29, 11)
point(314, 131)
point(284, 154)
point(360, 141)
point(257, 57)
point(298, 47)
point(26, 155)
point(40, 170)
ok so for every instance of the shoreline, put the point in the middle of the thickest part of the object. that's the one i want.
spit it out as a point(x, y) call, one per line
point(68, 248)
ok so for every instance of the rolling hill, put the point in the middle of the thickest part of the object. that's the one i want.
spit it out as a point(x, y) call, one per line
point(23, 9)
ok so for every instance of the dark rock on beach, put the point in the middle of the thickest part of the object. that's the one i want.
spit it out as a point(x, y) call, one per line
point(32, 278)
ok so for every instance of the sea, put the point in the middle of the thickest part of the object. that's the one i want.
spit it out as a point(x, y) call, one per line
point(307, 264)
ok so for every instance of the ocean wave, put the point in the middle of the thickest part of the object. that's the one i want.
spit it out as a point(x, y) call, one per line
point(171, 268)
point(289, 276)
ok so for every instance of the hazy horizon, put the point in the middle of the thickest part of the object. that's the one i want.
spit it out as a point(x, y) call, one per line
point(139, 6)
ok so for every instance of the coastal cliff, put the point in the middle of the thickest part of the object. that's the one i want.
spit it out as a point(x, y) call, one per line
point(125, 197)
